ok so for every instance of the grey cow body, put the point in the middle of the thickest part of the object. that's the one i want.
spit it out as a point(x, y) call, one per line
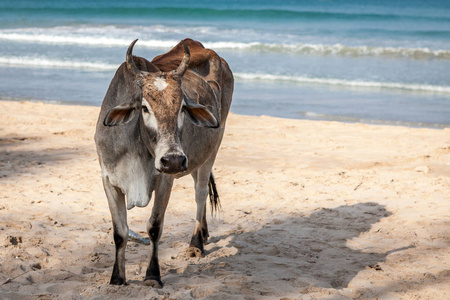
point(132, 143)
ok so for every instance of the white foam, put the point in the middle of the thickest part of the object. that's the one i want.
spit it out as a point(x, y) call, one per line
point(25, 61)
point(96, 36)
point(340, 118)
point(231, 45)
point(311, 114)
point(347, 83)
point(83, 40)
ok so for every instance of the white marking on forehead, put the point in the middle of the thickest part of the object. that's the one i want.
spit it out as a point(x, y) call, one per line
point(160, 83)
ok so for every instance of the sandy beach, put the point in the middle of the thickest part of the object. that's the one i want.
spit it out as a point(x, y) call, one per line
point(310, 210)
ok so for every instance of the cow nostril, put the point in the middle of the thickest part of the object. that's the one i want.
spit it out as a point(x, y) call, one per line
point(165, 161)
point(184, 163)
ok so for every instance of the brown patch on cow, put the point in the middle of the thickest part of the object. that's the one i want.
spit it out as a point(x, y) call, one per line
point(165, 103)
point(171, 60)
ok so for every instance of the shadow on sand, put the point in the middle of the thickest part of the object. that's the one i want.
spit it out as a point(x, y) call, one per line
point(16, 159)
point(298, 252)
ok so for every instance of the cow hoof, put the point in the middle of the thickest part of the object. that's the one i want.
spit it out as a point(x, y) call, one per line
point(117, 281)
point(205, 238)
point(194, 252)
point(153, 282)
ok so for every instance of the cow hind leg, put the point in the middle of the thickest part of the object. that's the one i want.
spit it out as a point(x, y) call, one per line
point(116, 202)
point(205, 232)
point(155, 228)
point(215, 205)
point(200, 235)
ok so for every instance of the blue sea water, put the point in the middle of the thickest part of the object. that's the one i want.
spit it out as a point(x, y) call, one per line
point(385, 62)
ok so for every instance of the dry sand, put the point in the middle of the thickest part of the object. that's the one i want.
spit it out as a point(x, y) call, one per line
point(310, 210)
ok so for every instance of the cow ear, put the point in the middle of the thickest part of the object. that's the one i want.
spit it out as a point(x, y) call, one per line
point(199, 114)
point(121, 114)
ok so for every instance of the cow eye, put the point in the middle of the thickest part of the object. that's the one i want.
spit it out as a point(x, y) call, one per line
point(145, 109)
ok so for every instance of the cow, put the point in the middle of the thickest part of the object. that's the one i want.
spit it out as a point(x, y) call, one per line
point(159, 121)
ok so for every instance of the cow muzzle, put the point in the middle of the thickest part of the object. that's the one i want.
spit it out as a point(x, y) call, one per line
point(173, 163)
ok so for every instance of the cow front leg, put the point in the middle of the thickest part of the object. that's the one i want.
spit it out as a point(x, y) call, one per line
point(155, 228)
point(116, 202)
point(200, 235)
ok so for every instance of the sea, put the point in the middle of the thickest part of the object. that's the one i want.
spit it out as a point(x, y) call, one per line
point(381, 62)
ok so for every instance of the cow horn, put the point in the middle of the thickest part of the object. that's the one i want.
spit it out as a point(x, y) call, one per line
point(131, 66)
point(184, 62)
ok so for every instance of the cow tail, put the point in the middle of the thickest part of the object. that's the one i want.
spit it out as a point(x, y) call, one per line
point(213, 195)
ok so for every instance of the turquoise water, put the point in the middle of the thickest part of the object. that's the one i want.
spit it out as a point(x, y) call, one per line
point(385, 62)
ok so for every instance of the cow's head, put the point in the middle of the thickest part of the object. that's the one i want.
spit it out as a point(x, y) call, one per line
point(162, 109)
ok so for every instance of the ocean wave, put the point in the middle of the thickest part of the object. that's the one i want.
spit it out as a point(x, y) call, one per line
point(141, 31)
point(216, 13)
point(298, 49)
point(346, 83)
point(25, 61)
point(336, 49)
point(84, 40)
point(42, 62)
point(349, 119)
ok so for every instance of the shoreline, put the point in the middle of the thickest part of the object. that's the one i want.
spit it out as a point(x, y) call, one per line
point(311, 209)
point(309, 116)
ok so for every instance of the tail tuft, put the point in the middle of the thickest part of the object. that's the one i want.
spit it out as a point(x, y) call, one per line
point(213, 195)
